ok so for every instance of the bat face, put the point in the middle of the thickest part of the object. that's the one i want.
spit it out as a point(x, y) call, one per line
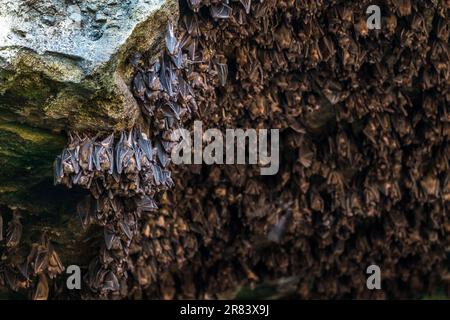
point(129, 161)
point(86, 154)
point(152, 81)
point(103, 154)
point(139, 86)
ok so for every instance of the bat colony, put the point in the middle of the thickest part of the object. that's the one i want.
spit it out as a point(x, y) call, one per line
point(364, 127)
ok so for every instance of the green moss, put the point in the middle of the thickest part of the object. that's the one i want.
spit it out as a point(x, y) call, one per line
point(26, 157)
point(26, 182)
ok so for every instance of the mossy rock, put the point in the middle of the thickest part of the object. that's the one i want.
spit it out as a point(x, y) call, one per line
point(26, 157)
point(59, 77)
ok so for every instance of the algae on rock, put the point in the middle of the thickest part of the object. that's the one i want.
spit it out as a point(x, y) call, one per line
point(71, 71)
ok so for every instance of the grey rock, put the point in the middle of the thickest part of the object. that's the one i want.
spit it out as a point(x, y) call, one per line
point(64, 65)
point(92, 7)
point(49, 20)
point(100, 17)
point(74, 13)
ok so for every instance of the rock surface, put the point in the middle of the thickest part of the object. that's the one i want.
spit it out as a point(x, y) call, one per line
point(62, 62)
point(64, 66)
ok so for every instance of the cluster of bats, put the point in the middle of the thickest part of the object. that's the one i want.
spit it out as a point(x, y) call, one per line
point(365, 128)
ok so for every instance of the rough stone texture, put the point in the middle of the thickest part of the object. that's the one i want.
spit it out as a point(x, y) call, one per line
point(62, 62)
